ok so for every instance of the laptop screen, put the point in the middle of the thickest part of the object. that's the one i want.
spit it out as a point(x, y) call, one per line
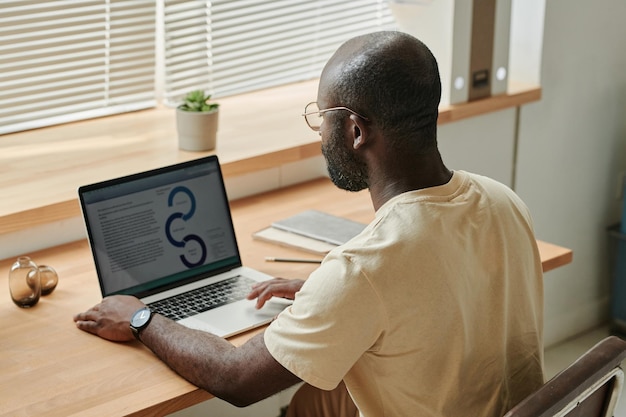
point(160, 229)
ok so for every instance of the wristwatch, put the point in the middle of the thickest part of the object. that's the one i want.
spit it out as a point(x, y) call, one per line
point(140, 320)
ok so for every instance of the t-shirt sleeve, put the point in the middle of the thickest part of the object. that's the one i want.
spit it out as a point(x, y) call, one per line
point(335, 318)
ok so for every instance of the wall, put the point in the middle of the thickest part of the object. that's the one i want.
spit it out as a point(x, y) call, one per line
point(483, 144)
point(572, 145)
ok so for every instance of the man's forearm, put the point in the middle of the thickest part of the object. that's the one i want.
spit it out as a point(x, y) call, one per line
point(239, 375)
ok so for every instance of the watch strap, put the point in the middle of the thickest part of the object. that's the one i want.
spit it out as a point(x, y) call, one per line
point(139, 321)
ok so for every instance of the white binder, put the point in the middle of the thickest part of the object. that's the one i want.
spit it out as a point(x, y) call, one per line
point(469, 38)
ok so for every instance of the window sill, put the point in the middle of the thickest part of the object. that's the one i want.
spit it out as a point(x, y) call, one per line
point(42, 169)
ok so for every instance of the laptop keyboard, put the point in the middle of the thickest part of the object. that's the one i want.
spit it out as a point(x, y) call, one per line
point(203, 299)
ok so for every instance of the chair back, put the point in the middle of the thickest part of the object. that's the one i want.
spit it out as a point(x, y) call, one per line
point(589, 387)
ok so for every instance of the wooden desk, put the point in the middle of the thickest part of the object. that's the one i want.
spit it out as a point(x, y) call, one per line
point(48, 367)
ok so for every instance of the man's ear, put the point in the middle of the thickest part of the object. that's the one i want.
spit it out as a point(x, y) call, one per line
point(359, 133)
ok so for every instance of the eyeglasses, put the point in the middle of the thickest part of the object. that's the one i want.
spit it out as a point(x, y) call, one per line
point(314, 116)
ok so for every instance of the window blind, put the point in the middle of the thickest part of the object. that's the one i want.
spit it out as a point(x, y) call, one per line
point(68, 60)
point(228, 47)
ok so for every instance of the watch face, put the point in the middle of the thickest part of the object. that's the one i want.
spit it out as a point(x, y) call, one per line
point(140, 318)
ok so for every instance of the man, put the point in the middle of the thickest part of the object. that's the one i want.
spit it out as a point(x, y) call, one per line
point(434, 310)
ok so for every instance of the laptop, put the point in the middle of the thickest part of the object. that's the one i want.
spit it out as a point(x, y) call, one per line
point(166, 236)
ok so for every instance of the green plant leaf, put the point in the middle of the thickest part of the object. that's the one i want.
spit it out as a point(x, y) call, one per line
point(197, 101)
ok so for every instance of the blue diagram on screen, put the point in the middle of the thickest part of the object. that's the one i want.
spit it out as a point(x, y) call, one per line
point(184, 217)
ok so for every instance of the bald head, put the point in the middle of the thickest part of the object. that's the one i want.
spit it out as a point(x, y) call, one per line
point(391, 78)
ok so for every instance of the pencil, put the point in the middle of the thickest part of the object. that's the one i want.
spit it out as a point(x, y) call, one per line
point(300, 260)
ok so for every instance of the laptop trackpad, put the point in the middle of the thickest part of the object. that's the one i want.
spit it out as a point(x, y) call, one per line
point(234, 318)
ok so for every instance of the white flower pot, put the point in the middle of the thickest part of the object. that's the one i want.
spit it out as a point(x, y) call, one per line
point(197, 131)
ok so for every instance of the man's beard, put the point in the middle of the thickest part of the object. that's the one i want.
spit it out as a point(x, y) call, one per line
point(345, 170)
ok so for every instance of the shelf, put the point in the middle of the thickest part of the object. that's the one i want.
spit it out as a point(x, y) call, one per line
point(42, 169)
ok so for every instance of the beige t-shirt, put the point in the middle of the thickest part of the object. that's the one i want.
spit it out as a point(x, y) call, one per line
point(435, 309)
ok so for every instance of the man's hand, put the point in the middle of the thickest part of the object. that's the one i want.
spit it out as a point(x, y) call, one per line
point(111, 318)
point(277, 287)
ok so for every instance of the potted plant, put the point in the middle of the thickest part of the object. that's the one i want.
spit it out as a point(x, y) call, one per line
point(196, 122)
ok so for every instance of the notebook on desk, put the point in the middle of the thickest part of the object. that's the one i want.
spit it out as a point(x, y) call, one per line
point(311, 230)
point(166, 236)
point(320, 226)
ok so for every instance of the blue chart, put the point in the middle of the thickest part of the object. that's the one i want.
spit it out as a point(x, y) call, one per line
point(187, 238)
